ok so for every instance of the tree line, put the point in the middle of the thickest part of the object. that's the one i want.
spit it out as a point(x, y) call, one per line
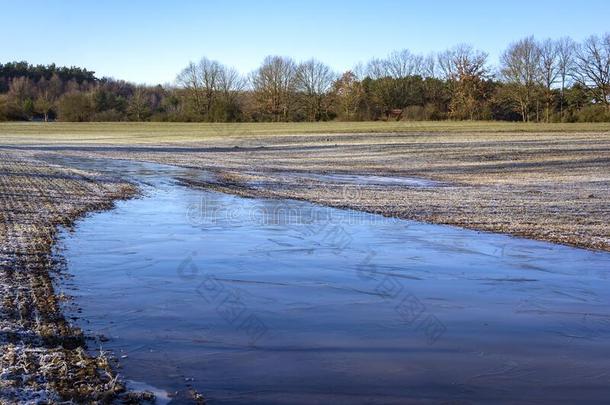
point(535, 81)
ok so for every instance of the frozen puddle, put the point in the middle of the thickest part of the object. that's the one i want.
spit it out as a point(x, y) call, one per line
point(268, 301)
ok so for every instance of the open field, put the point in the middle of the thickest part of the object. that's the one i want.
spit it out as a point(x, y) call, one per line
point(547, 182)
point(151, 133)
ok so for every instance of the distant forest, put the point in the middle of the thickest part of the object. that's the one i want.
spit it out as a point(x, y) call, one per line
point(535, 81)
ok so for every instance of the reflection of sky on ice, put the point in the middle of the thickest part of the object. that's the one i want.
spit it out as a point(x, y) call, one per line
point(289, 301)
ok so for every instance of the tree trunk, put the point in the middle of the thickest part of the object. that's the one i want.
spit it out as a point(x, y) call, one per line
point(563, 85)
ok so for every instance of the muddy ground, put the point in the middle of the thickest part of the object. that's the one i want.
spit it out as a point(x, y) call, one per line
point(42, 356)
point(547, 186)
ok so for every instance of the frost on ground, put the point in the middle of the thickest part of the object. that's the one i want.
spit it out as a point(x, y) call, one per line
point(42, 356)
point(546, 186)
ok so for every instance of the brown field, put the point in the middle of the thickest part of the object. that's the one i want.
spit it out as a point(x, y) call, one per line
point(547, 183)
point(40, 350)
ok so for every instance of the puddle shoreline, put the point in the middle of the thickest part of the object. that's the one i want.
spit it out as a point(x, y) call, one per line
point(335, 323)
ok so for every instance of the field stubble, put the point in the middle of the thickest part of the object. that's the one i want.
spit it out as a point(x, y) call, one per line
point(551, 185)
point(43, 357)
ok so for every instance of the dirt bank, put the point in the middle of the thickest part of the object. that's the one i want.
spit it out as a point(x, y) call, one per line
point(42, 356)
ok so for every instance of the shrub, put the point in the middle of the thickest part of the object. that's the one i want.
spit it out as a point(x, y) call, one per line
point(75, 106)
point(108, 116)
point(594, 113)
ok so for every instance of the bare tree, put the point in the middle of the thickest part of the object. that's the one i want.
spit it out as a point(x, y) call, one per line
point(549, 71)
point(207, 83)
point(397, 65)
point(466, 69)
point(463, 61)
point(229, 79)
point(209, 76)
point(592, 67)
point(230, 84)
point(401, 64)
point(376, 69)
point(359, 71)
point(313, 82)
point(565, 63)
point(189, 79)
point(521, 70)
point(430, 66)
point(274, 86)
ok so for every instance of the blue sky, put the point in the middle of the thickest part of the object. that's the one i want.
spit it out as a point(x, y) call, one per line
point(150, 41)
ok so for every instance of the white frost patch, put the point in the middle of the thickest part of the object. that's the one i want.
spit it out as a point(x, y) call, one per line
point(161, 396)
